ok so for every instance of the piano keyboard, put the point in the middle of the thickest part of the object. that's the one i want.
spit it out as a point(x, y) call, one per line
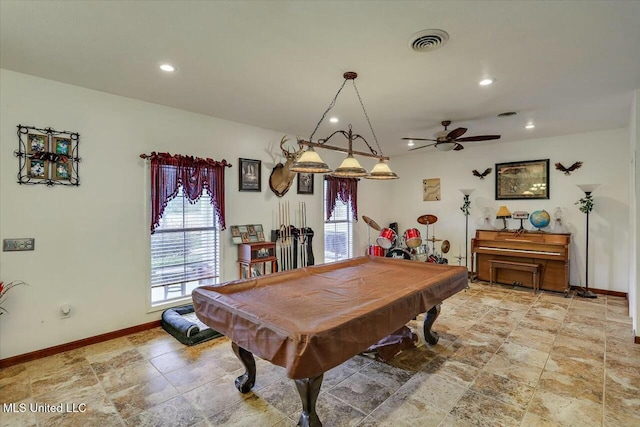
point(524, 251)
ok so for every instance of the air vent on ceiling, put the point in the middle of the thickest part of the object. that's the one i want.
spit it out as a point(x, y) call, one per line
point(427, 40)
point(507, 114)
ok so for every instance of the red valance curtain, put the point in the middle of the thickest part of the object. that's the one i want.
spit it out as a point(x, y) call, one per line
point(194, 174)
point(343, 189)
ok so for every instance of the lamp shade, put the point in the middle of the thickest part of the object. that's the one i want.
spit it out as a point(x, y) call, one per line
point(381, 170)
point(310, 162)
point(350, 168)
point(588, 188)
point(445, 146)
point(467, 191)
point(503, 212)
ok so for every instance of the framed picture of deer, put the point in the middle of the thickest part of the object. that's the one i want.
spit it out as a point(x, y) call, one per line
point(305, 183)
point(250, 175)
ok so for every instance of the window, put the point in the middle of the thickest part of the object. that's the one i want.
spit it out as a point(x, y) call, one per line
point(338, 231)
point(185, 249)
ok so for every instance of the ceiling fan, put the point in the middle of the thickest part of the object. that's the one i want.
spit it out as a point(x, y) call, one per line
point(446, 141)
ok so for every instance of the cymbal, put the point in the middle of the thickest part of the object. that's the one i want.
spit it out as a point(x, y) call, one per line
point(371, 223)
point(445, 246)
point(427, 219)
point(433, 239)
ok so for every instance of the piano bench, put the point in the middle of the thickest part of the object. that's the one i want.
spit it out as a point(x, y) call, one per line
point(520, 266)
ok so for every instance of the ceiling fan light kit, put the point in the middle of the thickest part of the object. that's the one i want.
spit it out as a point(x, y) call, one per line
point(310, 161)
point(447, 141)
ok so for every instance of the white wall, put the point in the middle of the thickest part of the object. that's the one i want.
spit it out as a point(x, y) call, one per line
point(605, 156)
point(92, 241)
point(634, 212)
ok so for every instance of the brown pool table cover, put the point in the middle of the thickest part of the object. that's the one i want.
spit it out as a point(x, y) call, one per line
point(312, 319)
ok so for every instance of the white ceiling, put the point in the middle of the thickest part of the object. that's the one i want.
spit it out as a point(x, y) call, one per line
point(568, 66)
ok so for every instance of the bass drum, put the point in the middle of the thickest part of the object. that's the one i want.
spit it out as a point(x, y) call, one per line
point(398, 253)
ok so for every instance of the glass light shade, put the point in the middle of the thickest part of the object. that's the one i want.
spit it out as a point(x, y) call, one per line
point(350, 168)
point(310, 162)
point(445, 146)
point(467, 191)
point(588, 188)
point(381, 170)
point(503, 212)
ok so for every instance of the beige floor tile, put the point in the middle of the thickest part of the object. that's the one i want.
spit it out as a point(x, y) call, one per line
point(452, 370)
point(481, 410)
point(433, 390)
point(511, 392)
point(570, 386)
point(402, 410)
point(361, 392)
point(175, 412)
point(514, 370)
point(216, 395)
point(141, 397)
point(251, 412)
point(565, 411)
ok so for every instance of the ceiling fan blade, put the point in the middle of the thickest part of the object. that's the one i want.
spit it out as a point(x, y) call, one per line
point(458, 147)
point(478, 138)
point(417, 148)
point(417, 139)
point(456, 133)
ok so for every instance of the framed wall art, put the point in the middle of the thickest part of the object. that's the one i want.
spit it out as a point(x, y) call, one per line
point(47, 156)
point(431, 189)
point(522, 180)
point(250, 178)
point(305, 183)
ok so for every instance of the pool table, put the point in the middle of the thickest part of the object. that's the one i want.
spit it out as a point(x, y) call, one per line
point(312, 319)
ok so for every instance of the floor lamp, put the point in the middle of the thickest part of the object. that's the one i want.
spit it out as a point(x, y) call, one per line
point(465, 210)
point(586, 206)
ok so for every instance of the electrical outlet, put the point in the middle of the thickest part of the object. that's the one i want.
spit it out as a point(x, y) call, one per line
point(65, 311)
point(26, 244)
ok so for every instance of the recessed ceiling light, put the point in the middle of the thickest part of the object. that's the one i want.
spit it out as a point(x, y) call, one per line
point(530, 126)
point(167, 67)
point(333, 120)
point(486, 82)
point(410, 143)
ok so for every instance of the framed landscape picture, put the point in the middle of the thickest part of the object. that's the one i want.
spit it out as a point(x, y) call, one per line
point(522, 180)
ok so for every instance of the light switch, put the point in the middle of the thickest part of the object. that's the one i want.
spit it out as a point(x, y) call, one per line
point(26, 244)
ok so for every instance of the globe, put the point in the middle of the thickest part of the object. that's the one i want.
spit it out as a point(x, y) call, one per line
point(540, 219)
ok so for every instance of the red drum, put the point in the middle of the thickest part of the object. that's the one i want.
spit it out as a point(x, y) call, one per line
point(398, 253)
point(412, 238)
point(376, 251)
point(387, 238)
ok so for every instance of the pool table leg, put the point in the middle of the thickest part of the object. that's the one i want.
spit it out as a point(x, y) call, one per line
point(309, 389)
point(431, 336)
point(246, 381)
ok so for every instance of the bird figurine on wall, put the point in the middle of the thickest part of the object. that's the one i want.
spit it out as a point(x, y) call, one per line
point(567, 171)
point(483, 174)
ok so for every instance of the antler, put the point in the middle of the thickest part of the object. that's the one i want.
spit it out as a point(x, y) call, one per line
point(288, 153)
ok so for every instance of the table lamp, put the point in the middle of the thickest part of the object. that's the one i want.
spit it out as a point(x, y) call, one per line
point(503, 213)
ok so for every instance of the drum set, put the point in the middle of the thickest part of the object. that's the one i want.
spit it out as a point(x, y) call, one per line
point(410, 245)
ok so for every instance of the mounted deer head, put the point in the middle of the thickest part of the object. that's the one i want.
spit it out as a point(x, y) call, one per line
point(281, 177)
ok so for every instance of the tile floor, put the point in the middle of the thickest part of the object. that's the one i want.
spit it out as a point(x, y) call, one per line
point(506, 357)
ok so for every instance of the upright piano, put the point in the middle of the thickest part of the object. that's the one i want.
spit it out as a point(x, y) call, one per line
point(549, 250)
